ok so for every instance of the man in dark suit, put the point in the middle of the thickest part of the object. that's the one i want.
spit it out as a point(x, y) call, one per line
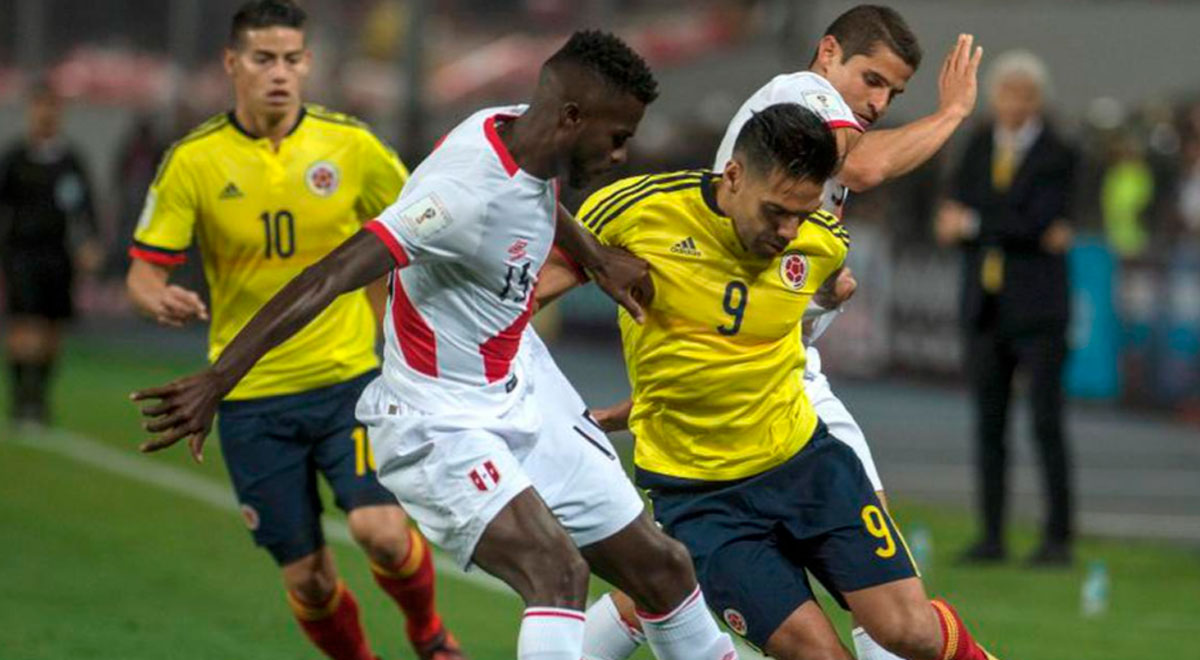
point(1007, 210)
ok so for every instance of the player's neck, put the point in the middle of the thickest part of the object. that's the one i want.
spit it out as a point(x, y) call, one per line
point(272, 127)
point(530, 144)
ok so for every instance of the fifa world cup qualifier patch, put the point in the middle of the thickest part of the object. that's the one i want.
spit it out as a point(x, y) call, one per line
point(425, 218)
point(322, 178)
point(793, 269)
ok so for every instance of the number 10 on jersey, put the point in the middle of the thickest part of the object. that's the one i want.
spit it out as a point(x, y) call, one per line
point(279, 229)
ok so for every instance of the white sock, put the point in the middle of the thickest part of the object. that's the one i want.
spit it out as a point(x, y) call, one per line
point(688, 632)
point(550, 633)
point(607, 636)
point(866, 648)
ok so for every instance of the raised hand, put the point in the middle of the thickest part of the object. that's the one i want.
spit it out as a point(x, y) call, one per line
point(958, 80)
point(835, 291)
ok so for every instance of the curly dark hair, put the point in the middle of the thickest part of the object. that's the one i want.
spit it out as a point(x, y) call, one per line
point(792, 138)
point(612, 59)
point(259, 14)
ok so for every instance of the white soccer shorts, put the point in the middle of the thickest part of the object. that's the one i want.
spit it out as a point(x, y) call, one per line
point(453, 472)
point(833, 412)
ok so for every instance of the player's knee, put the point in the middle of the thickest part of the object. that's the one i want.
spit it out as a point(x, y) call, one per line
point(909, 632)
point(383, 534)
point(311, 586)
point(563, 579)
point(665, 577)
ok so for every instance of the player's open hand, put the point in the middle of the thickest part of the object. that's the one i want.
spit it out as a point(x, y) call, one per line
point(958, 81)
point(176, 306)
point(626, 279)
point(184, 409)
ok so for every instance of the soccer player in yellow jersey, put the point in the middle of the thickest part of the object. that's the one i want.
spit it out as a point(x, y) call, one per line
point(267, 190)
point(731, 451)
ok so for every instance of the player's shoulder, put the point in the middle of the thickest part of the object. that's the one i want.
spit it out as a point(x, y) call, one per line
point(830, 227)
point(337, 122)
point(635, 192)
point(196, 143)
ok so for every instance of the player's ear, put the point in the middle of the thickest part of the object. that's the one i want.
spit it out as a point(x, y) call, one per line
point(570, 116)
point(829, 52)
point(230, 59)
point(733, 174)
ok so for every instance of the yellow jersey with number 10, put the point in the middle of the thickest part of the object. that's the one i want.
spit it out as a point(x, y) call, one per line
point(717, 368)
point(260, 217)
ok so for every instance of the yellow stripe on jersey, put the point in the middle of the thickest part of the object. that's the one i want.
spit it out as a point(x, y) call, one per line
point(260, 216)
point(717, 368)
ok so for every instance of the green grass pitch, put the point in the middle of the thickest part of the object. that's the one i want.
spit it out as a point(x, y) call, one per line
point(99, 565)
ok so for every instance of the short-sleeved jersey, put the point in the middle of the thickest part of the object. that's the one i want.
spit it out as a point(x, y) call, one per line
point(260, 217)
point(809, 90)
point(716, 370)
point(469, 234)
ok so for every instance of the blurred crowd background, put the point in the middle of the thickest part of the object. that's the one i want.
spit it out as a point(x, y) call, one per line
point(137, 74)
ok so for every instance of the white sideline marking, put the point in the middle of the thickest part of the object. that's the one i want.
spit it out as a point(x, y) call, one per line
point(219, 496)
point(133, 466)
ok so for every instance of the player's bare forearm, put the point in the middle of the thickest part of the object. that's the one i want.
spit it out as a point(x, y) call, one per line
point(556, 278)
point(886, 154)
point(151, 292)
point(616, 276)
point(185, 407)
point(354, 264)
point(576, 242)
point(377, 296)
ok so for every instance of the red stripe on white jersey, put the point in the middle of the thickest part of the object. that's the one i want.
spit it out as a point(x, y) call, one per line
point(417, 342)
point(379, 229)
point(842, 123)
point(498, 352)
point(489, 129)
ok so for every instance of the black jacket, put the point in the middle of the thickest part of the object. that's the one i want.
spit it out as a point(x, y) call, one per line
point(1035, 292)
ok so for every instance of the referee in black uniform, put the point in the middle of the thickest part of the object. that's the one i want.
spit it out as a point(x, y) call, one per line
point(47, 229)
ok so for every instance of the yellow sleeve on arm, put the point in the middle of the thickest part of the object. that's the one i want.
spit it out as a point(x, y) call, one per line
point(164, 230)
point(384, 176)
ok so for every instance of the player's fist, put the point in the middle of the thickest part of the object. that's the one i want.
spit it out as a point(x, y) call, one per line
point(176, 306)
point(958, 80)
point(185, 409)
point(836, 291)
point(613, 418)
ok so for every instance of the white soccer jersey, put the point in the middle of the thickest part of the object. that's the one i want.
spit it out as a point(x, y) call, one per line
point(470, 231)
point(809, 90)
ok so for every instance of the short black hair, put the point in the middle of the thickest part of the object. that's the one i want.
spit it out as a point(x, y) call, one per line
point(791, 138)
point(259, 14)
point(861, 29)
point(611, 59)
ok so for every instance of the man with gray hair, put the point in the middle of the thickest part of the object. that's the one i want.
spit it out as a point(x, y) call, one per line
point(1006, 211)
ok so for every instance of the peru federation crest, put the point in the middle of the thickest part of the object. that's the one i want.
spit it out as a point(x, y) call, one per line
point(322, 178)
point(793, 269)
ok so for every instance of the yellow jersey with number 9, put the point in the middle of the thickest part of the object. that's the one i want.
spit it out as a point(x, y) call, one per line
point(260, 216)
point(717, 368)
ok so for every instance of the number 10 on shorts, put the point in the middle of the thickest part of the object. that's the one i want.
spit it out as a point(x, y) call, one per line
point(363, 458)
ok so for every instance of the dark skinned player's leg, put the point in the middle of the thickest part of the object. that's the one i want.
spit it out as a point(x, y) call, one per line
point(526, 547)
point(656, 571)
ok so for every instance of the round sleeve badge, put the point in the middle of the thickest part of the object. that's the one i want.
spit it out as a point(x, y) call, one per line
point(322, 178)
point(793, 269)
point(735, 621)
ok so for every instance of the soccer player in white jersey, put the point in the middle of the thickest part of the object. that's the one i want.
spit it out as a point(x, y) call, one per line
point(496, 466)
point(863, 61)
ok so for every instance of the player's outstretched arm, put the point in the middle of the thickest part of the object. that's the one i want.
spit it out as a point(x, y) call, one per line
point(886, 154)
point(616, 277)
point(185, 408)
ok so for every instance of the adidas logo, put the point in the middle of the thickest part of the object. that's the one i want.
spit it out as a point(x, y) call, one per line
point(231, 191)
point(686, 246)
